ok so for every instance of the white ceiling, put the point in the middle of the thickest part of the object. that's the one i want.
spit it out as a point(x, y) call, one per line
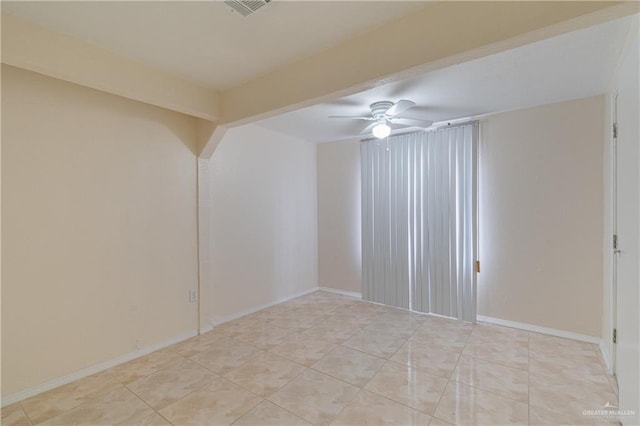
point(571, 66)
point(204, 41)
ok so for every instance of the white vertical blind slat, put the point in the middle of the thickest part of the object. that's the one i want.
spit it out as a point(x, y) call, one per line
point(432, 226)
point(438, 265)
point(410, 213)
point(377, 217)
point(366, 213)
point(389, 286)
point(403, 214)
point(417, 284)
point(393, 219)
point(426, 282)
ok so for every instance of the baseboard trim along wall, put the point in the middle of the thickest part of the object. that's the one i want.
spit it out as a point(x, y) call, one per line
point(221, 320)
point(205, 328)
point(539, 329)
point(605, 355)
point(60, 381)
point(97, 368)
point(342, 292)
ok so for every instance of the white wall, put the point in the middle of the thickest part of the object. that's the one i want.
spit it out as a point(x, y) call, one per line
point(339, 231)
point(541, 216)
point(263, 211)
point(99, 227)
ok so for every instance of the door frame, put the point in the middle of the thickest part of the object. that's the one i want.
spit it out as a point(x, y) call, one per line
point(614, 227)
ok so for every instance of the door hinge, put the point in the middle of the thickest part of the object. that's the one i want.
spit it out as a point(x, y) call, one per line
point(615, 335)
point(615, 242)
point(477, 266)
point(615, 130)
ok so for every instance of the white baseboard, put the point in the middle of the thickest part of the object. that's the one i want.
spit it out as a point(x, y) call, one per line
point(204, 328)
point(605, 355)
point(97, 368)
point(539, 329)
point(342, 292)
point(226, 318)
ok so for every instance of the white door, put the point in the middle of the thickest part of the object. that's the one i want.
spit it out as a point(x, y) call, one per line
point(627, 263)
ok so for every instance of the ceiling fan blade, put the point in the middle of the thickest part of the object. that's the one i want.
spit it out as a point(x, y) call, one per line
point(419, 111)
point(352, 117)
point(399, 107)
point(411, 122)
point(368, 129)
point(395, 126)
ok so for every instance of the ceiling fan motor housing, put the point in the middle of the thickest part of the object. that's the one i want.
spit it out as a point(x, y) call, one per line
point(378, 109)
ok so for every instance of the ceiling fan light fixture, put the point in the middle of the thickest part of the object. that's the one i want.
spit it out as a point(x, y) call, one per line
point(381, 130)
point(384, 114)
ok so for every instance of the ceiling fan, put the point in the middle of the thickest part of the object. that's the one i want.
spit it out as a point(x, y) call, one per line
point(385, 115)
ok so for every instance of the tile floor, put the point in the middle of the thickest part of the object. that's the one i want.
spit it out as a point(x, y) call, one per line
point(328, 359)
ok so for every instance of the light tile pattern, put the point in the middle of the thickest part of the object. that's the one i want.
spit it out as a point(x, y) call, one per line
point(144, 366)
point(117, 407)
point(269, 414)
point(328, 359)
point(315, 397)
point(368, 408)
point(55, 402)
point(499, 379)
point(172, 383)
point(265, 374)
point(221, 402)
point(409, 386)
point(14, 415)
point(463, 404)
point(302, 349)
point(349, 365)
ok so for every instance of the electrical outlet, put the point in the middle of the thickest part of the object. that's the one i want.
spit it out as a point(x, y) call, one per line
point(193, 296)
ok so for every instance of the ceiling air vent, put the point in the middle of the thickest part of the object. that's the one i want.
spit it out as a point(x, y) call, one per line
point(246, 7)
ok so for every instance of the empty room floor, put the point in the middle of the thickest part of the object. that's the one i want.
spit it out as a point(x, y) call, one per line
point(330, 359)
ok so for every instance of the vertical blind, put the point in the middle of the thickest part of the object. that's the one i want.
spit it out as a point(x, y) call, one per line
point(419, 196)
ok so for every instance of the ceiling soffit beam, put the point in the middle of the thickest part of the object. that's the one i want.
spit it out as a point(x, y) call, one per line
point(439, 35)
point(209, 136)
point(35, 48)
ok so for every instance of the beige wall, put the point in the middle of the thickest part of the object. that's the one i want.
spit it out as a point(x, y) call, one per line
point(541, 216)
point(99, 227)
point(263, 228)
point(339, 232)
